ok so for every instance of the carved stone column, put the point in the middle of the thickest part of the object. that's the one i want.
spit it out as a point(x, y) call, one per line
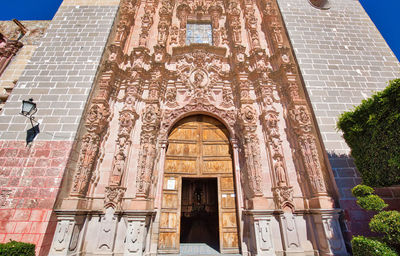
point(97, 117)
point(251, 24)
point(165, 21)
point(233, 19)
point(299, 116)
point(239, 193)
point(150, 130)
point(127, 121)
point(160, 179)
point(147, 21)
point(248, 119)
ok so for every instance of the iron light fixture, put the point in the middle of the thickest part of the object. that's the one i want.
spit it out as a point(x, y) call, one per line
point(28, 110)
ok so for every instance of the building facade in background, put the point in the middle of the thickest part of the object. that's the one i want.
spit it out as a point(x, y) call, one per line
point(184, 126)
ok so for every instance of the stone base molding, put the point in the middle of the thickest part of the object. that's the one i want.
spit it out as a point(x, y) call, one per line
point(284, 233)
point(101, 233)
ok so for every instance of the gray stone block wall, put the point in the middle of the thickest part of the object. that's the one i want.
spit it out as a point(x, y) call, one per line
point(343, 60)
point(60, 74)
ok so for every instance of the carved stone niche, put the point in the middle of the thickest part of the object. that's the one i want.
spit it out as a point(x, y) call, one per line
point(136, 231)
point(67, 234)
point(328, 232)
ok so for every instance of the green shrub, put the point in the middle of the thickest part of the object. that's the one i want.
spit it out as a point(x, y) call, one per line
point(363, 246)
point(362, 190)
point(14, 248)
point(371, 203)
point(387, 223)
point(372, 131)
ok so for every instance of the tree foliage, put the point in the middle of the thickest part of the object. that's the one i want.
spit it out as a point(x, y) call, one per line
point(14, 248)
point(372, 131)
point(363, 246)
point(386, 223)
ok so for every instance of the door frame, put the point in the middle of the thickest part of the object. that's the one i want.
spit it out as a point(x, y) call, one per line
point(233, 144)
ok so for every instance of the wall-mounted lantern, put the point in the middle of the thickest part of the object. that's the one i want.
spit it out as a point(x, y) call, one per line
point(28, 110)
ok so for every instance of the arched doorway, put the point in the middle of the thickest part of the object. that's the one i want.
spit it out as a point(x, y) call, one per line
point(198, 198)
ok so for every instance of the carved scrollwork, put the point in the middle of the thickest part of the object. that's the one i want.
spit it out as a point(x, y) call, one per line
point(227, 97)
point(283, 196)
point(97, 117)
point(301, 118)
point(248, 115)
point(113, 196)
point(313, 167)
point(87, 154)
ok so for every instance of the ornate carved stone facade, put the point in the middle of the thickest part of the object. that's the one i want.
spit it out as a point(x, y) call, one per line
point(148, 81)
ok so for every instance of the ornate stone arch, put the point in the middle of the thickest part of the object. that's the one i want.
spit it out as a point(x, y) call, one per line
point(171, 116)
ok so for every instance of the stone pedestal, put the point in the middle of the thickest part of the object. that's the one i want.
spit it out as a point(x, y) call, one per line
point(290, 234)
point(329, 235)
point(136, 232)
point(263, 233)
point(67, 234)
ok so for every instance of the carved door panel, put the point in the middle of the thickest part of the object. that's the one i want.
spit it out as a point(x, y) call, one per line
point(170, 215)
point(217, 160)
point(229, 240)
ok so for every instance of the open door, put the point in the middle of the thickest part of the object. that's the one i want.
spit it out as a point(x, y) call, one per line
point(199, 149)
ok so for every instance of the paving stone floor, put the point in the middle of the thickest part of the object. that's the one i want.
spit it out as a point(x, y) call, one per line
point(191, 249)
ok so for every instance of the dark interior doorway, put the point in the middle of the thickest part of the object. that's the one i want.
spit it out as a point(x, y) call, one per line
point(199, 216)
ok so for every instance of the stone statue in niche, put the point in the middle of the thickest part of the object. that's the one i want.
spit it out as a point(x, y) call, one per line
point(174, 35)
point(119, 164)
point(280, 173)
point(162, 34)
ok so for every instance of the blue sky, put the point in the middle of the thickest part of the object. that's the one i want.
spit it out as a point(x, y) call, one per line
point(384, 13)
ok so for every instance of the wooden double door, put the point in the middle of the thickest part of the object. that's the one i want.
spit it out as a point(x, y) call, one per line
point(198, 184)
